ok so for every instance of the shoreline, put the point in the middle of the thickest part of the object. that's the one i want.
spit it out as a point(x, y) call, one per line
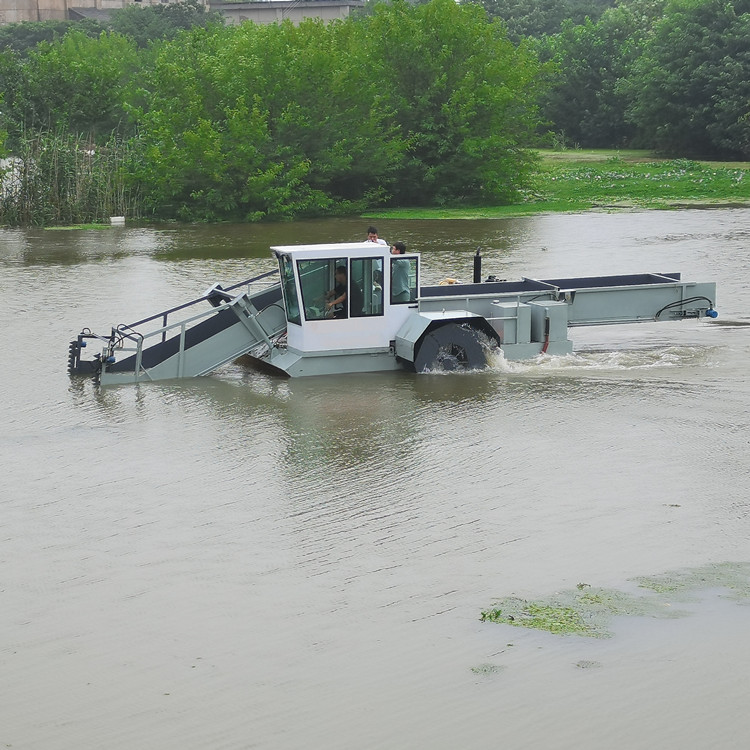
point(520, 211)
point(462, 214)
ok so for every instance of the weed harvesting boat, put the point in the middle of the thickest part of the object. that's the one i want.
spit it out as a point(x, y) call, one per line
point(384, 319)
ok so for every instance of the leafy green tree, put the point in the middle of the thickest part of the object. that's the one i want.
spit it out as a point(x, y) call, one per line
point(542, 17)
point(461, 93)
point(263, 122)
point(415, 104)
point(730, 128)
point(585, 103)
point(76, 84)
point(24, 37)
point(145, 24)
point(690, 88)
point(3, 136)
point(13, 87)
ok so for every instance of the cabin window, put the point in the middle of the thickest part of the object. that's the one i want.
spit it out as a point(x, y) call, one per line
point(403, 280)
point(365, 287)
point(323, 282)
point(291, 302)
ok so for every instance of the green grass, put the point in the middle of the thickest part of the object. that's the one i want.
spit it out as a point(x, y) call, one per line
point(586, 156)
point(571, 181)
point(649, 184)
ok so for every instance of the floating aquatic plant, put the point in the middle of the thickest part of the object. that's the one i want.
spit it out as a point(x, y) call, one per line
point(587, 610)
point(555, 618)
point(486, 669)
point(727, 575)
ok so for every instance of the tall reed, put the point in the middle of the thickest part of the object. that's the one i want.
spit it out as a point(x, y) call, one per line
point(58, 178)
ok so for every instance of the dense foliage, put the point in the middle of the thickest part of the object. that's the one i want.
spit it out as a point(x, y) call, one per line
point(585, 101)
point(537, 18)
point(425, 104)
point(76, 84)
point(22, 38)
point(462, 96)
point(144, 25)
point(674, 77)
point(690, 89)
point(403, 104)
point(232, 125)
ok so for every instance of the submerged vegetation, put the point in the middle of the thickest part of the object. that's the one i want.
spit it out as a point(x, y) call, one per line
point(733, 577)
point(587, 611)
point(554, 617)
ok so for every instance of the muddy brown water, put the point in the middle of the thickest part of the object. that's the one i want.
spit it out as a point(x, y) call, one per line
point(242, 561)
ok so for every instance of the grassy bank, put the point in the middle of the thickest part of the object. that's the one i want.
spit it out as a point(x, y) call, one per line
point(610, 180)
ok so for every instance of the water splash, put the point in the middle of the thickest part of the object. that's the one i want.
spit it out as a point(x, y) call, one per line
point(613, 361)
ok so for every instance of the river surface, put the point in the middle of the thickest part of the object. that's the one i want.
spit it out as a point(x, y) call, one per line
point(242, 561)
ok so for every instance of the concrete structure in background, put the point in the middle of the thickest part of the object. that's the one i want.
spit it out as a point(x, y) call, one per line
point(275, 11)
point(268, 11)
point(15, 11)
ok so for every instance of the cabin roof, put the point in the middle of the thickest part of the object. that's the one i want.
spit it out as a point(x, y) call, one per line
point(334, 250)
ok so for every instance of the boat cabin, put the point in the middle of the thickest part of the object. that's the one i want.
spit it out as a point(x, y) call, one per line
point(377, 290)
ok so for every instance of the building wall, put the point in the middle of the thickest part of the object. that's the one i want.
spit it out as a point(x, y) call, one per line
point(113, 4)
point(270, 11)
point(15, 11)
point(275, 11)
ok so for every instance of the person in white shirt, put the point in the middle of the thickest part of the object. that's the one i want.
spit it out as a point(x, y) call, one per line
point(372, 236)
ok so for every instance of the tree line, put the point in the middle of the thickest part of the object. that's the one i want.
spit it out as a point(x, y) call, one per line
point(167, 113)
point(668, 75)
point(407, 104)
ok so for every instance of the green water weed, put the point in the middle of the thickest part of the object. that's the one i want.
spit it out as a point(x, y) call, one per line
point(588, 610)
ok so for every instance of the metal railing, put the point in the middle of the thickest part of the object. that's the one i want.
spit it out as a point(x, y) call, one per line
point(123, 328)
point(125, 332)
